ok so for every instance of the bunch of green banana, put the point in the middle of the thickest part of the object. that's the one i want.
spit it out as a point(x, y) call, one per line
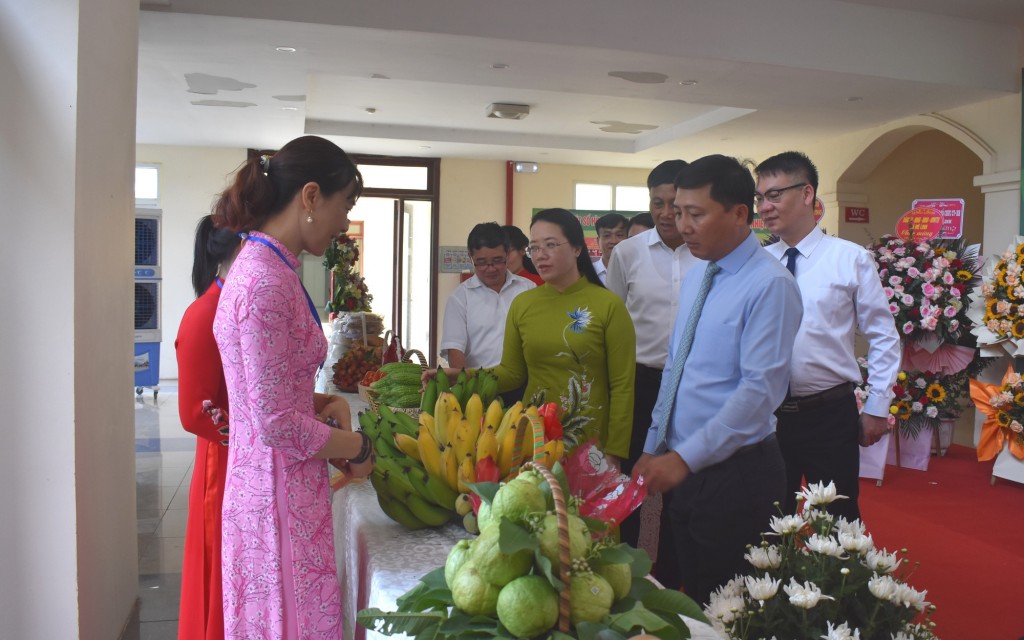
point(482, 383)
point(405, 491)
point(400, 386)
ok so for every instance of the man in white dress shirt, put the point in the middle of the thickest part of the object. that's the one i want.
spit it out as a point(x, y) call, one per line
point(474, 317)
point(646, 271)
point(818, 426)
point(611, 230)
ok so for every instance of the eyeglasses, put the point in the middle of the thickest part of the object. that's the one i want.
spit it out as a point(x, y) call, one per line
point(494, 263)
point(545, 249)
point(774, 195)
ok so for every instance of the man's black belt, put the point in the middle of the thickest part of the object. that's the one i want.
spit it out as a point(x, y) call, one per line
point(816, 400)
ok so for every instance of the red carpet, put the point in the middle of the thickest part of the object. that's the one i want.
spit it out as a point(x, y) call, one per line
point(967, 535)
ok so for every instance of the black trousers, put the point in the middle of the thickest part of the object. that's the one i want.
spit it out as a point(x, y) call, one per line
point(718, 511)
point(647, 383)
point(822, 445)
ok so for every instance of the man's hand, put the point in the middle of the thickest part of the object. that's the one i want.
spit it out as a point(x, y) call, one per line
point(872, 428)
point(661, 472)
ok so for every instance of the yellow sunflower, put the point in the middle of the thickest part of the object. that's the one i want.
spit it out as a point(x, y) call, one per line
point(1018, 329)
point(1001, 276)
point(1018, 398)
point(1003, 419)
point(990, 308)
point(1009, 291)
point(903, 411)
point(935, 392)
point(963, 275)
point(1020, 250)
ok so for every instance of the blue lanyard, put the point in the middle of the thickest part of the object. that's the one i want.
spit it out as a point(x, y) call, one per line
point(220, 283)
point(263, 241)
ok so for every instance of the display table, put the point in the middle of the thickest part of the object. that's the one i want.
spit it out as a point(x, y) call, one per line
point(379, 560)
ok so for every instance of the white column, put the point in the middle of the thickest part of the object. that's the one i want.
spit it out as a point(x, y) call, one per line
point(67, 510)
point(1002, 209)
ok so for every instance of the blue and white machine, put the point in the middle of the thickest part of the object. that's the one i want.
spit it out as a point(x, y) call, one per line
point(147, 300)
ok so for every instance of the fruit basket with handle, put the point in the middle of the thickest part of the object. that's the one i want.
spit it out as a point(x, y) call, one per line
point(373, 398)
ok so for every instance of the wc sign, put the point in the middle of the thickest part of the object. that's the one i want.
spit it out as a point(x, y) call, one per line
point(857, 214)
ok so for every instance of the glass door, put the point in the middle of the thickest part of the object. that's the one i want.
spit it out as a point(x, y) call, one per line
point(417, 274)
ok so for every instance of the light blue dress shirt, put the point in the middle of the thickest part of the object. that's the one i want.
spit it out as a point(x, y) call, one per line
point(737, 372)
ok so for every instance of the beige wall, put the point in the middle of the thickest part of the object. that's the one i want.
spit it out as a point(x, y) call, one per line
point(68, 530)
point(928, 165)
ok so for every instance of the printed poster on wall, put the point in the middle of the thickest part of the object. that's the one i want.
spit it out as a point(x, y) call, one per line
point(454, 260)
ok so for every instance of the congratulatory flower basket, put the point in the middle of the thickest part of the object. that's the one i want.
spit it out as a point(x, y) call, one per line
point(820, 577)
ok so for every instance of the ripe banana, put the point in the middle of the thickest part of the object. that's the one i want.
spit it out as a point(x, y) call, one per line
point(475, 411)
point(506, 451)
point(441, 408)
point(554, 451)
point(410, 446)
point(487, 445)
point(465, 439)
point(430, 452)
point(510, 418)
point(450, 467)
point(493, 416)
point(467, 473)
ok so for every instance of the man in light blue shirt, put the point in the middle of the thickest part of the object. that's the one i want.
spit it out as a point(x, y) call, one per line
point(712, 444)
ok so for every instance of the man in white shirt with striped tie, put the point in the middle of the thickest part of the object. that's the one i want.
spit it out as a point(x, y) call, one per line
point(818, 426)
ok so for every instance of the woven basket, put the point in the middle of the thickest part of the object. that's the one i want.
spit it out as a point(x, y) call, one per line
point(371, 395)
point(564, 557)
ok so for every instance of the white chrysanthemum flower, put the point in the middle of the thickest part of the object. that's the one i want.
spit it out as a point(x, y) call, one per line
point(818, 493)
point(764, 557)
point(855, 527)
point(761, 588)
point(785, 525)
point(909, 597)
point(825, 545)
point(724, 610)
point(881, 561)
point(882, 587)
point(855, 541)
point(804, 596)
point(841, 632)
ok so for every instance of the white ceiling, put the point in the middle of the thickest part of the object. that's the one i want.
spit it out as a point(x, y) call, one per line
point(771, 74)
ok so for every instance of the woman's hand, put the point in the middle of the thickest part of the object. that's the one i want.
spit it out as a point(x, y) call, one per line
point(337, 413)
point(451, 372)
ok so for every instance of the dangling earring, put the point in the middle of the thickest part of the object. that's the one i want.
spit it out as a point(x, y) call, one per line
point(309, 217)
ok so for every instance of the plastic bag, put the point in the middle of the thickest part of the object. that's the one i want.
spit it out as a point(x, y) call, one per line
point(607, 493)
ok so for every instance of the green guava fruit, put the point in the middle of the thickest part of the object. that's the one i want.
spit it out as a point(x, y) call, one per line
point(472, 593)
point(516, 500)
point(483, 515)
point(494, 566)
point(591, 598)
point(618, 576)
point(456, 558)
point(528, 606)
point(579, 538)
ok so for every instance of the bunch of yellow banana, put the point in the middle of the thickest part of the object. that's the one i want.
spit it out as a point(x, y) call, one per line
point(435, 459)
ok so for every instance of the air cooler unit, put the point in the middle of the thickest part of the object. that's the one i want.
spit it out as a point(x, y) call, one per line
point(147, 300)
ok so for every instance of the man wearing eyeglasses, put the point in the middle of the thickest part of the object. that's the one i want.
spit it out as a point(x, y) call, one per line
point(818, 425)
point(474, 317)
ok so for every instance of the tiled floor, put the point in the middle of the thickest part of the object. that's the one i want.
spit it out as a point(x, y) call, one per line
point(164, 454)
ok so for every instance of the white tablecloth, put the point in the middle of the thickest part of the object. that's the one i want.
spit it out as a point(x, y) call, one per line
point(379, 560)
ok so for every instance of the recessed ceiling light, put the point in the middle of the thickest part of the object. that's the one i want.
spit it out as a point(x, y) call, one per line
point(289, 108)
point(687, 83)
point(424, 146)
point(499, 65)
point(370, 109)
point(508, 111)
point(855, 99)
point(285, 49)
point(379, 76)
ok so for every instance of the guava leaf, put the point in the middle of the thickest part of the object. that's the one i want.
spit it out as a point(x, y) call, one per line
point(558, 635)
point(616, 555)
point(640, 588)
point(466, 626)
point(597, 631)
point(485, 490)
point(596, 525)
point(512, 537)
point(546, 568)
point(674, 602)
point(430, 592)
point(391, 623)
point(639, 618)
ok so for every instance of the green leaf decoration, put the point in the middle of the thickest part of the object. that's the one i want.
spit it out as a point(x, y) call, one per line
point(431, 592)
point(640, 588)
point(616, 554)
point(411, 623)
point(558, 635)
point(596, 631)
point(673, 602)
point(485, 490)
point(547, 570)
point(596, 525)
point(512, 538)
point(640, 618)
point(465, 626)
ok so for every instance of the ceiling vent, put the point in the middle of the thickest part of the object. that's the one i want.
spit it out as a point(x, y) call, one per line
point(507, 111)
